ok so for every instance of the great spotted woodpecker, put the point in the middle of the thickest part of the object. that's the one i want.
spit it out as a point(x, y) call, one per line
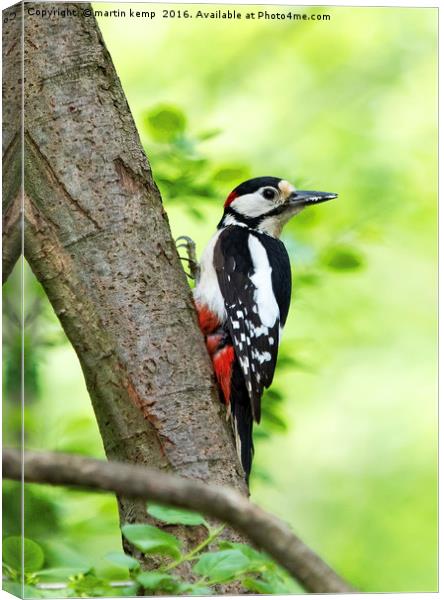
point(243, 296)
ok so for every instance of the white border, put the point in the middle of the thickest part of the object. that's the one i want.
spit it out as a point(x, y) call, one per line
point(352, 3)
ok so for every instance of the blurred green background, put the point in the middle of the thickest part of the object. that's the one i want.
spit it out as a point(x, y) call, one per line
point(347, 452)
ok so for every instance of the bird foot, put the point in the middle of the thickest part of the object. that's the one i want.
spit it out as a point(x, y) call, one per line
point(190, 249)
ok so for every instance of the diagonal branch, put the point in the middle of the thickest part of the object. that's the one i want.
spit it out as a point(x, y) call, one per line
point(264, 530)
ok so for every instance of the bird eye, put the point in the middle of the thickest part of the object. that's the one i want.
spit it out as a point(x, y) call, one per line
point(269, 193)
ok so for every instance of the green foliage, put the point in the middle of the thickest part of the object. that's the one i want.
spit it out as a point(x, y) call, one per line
point(184, 174)
point(15, 548)
point(221, 566)
point(152, 540)
point(342, 258)
point(175, 516)
point(35, 503)
point(158, 580)
point(229, 563)
point(166, 123)
point(214, 561)
point(267, 583)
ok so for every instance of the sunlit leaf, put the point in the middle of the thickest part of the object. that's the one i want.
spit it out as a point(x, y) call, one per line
point(221, 566)
point(175, 516)
point(152, 540)
point(256, 559)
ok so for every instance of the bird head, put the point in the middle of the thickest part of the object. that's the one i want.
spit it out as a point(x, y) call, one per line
point(267, 204)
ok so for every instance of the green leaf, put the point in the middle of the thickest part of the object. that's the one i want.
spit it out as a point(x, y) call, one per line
point(123, 560)
point(165, 122)
point(258, 585)
point(152, 540)
point(342, 258)
point(257, 560)
point(156, 580)
point(269, 583)
point(221, 566)
point(175, 516)
point(12, 554)
point(247, 550)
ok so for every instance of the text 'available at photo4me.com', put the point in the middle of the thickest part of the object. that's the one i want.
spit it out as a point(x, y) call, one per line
point(191, 12)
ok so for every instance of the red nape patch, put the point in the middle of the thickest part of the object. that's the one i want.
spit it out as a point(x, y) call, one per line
point(223, 367)
point(208, 321)
point(230, 199)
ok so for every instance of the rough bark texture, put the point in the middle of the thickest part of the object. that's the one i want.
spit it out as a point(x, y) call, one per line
point(264, 530)
point(11, 147)
point(98, 239)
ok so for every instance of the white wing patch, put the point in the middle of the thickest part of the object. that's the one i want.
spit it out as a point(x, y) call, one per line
point(264, 297)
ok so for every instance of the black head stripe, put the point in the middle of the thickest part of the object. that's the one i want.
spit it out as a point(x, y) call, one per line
point(252, 185)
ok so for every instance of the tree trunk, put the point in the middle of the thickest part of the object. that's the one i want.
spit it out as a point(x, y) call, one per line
point(98, 239)
point(11, 146)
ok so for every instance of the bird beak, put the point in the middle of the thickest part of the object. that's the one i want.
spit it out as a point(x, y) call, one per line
point(307, 197)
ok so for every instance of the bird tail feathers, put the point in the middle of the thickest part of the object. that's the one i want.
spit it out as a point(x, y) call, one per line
point(242, 422)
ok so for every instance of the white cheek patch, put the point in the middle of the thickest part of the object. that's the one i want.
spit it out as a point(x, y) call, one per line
point(251, 205)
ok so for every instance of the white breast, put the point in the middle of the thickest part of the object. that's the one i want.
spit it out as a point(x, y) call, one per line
point(207, 291)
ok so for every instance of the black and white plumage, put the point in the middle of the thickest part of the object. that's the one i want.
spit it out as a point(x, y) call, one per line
point(254, 275)
point(243, 296)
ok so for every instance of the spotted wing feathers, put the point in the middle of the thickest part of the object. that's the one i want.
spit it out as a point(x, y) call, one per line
point(253, 318)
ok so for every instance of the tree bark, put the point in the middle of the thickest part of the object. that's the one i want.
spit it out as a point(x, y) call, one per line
point(98, 239)
point(11, 142)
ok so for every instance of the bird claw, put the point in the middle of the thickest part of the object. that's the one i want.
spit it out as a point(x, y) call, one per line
point(193, 265)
